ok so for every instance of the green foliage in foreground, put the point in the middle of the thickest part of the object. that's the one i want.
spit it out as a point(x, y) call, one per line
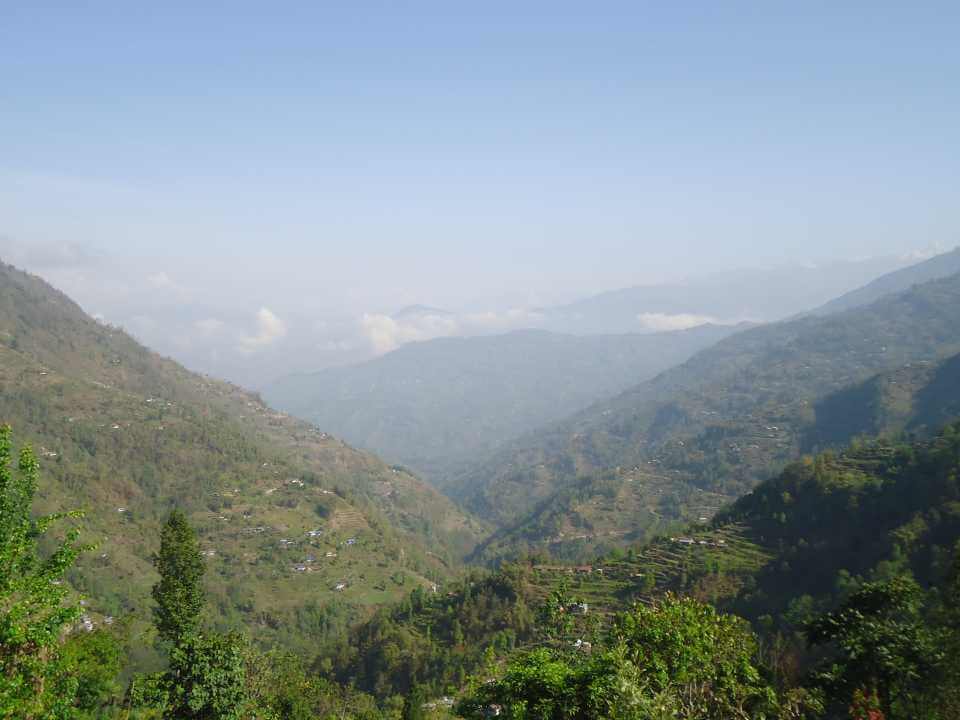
point(676, 659)
point(891, 652)
point(35, 678)
point(49, 671)
point(206, 680)
point(881, 647)
point(884, 649)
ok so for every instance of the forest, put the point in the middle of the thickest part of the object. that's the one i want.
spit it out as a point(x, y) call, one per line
point(846, 606)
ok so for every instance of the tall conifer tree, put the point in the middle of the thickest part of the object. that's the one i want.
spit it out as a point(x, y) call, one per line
point(179, 594)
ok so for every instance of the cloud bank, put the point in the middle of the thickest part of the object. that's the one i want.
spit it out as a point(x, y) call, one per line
point(270, 329)
point(662, 322)
point(385, 333)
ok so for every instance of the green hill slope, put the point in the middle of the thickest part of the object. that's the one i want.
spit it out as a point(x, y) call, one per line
point(796, 546)
point(437, 406)
point(872, 511)
point(126, 434)
point(728, 418)
point(917, 398)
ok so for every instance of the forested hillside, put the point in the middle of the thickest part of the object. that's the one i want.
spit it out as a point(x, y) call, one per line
point(438, 406)
point(799, 546)
point(261, 523)
point(918, 398)
point(286, 512)
point(720, 423)
point(833, 521)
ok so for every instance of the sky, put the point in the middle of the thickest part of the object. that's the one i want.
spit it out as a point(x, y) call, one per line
point(344, 160)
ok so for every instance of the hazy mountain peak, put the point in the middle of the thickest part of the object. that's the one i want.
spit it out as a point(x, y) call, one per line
point(419, 311)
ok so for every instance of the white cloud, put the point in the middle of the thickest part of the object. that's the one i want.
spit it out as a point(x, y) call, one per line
point(270, 329)
point(680, 321)
point(385, 333)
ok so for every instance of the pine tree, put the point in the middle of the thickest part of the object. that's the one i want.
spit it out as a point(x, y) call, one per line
point(179, 594)
point(206, 678)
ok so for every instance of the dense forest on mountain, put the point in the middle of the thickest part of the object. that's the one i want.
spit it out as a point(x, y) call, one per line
point(728, 418)
point(839, 550)
point(797, 547)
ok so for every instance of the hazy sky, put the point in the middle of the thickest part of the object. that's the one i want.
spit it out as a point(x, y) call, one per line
point(358, 156)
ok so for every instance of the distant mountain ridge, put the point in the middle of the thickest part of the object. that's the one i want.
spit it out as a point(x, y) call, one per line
point(756, 295)
point(721, 422)
point(438, 405)
point(939, 266)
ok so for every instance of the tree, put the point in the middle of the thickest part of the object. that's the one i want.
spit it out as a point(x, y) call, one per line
point(881, 647)
point(544, 685)
point(281, 687)
point(96, 659)
point(179, 594)
point(207, 678)
point(946, 693)
point(413, 705)
point(678, 659)
point(705, 661)
point(34, 612)
point(536, 685)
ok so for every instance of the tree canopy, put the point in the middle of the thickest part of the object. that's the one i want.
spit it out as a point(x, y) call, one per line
point(36, 608)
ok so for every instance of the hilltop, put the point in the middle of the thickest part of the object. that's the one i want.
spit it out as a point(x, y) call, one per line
point(286, 512)
point(939, 266)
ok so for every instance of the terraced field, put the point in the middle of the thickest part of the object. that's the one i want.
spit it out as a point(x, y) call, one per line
point(617, 509)
point(705, 562)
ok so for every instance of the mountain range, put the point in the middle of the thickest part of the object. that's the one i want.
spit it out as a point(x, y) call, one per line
point(704, 432)
point(440, 405)
point(286, 513)
point(771, 472)
point(754, 295)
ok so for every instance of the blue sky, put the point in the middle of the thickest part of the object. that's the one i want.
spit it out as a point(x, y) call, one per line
point(371, 155)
